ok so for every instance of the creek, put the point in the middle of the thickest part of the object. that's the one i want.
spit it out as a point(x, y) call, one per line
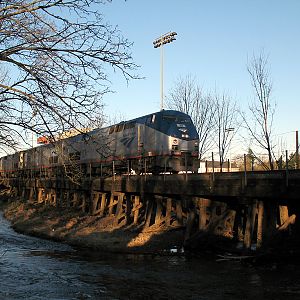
point(33, 268)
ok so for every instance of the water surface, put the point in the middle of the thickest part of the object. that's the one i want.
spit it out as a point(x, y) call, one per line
point(32, 268)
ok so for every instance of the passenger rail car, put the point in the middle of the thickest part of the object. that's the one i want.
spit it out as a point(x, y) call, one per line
point(165, 141)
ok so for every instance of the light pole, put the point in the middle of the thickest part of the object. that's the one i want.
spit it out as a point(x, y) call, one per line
point(159, 42)
point(297, 150)
point(228, 130)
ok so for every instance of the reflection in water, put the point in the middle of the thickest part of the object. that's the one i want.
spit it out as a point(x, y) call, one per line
point(32, 268)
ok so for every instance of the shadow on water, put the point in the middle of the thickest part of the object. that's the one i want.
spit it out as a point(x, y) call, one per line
point(33, 268)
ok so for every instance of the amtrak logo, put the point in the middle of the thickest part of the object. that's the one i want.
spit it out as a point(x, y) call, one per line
point(126, 141)
point(183, 130)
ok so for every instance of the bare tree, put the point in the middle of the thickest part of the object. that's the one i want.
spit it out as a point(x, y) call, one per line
point(187, 97)
point(54, 56)
point(260, 123)
point(227, 124)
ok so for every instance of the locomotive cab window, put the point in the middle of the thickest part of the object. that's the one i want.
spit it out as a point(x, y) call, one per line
point(150, 119)
point(169, 118)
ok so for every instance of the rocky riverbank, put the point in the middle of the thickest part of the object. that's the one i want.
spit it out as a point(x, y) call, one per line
point(82, 230)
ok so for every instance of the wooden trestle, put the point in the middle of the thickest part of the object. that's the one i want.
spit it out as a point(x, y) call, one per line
point(249, 223)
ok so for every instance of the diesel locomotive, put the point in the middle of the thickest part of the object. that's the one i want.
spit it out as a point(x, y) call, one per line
point(165, 141)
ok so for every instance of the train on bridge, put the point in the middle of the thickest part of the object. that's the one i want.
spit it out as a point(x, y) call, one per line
point(165, 141)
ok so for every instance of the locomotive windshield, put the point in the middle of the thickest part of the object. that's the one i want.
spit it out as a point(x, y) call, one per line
point(176, 119)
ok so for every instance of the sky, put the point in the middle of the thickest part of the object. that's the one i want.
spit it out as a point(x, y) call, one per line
point(215, 40)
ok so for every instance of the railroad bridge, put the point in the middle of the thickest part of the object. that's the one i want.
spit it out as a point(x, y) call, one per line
point(246, 207)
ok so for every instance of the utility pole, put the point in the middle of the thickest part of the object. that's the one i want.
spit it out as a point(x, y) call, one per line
point(159, 42)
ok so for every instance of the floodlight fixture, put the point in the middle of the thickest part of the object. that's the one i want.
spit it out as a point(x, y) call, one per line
point(158, 43)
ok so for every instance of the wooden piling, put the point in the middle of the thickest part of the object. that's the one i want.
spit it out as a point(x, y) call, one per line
point(137, 205)
point(168, 211)
point(179, 215)
point(128, 207)
point(260, 217)
point(148, 213)
point(250, 223)
point(283, 214)
point(103, 204)
point(94, 202)
point(159, 209)
point(40, 195)
point(120, 212)
point(269, 220)
point(112, 202)
point(202, 206)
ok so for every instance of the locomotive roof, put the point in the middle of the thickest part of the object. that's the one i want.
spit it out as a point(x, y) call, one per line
point(143, 119)
point(160, 121)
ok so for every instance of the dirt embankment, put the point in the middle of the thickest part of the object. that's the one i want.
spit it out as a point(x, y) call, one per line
point(82, 230)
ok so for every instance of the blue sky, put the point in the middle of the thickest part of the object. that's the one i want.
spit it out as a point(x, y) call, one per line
point(215, 39)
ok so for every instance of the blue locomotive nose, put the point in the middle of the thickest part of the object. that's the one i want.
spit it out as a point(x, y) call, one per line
point(172, 123)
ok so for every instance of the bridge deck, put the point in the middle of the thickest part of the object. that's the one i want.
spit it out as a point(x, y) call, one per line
point(260, 185)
